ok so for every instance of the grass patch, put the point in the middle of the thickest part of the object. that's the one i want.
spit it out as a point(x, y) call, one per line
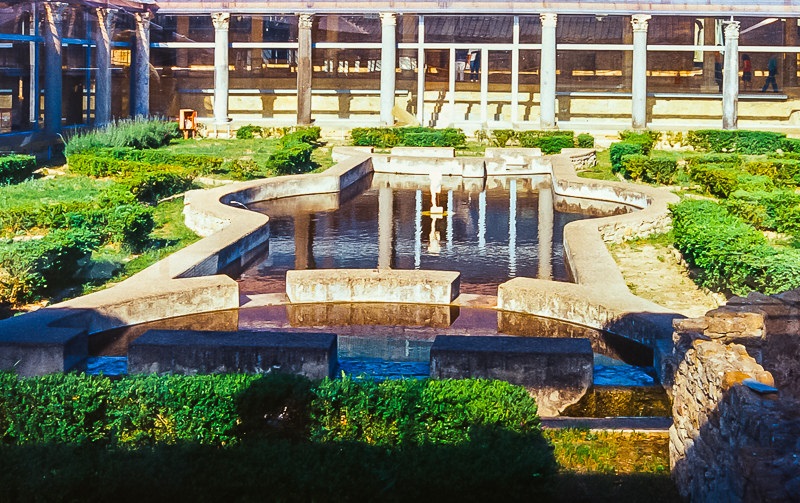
point(584, 451)
point(602, 170)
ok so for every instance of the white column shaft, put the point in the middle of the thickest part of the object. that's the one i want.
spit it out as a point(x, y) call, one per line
point(102, 98)
point(515, 72)
point(730, 77)
point(388, 63)
point(141, 66)
point(547, 73)
point(221, 22)
point(639, 82)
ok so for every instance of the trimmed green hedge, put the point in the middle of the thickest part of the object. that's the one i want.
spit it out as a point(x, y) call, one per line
point(16, 168)
point(657, 169)
point(551, 142)
point(743, 142)
point(618, 150)
point(732, 255)
point(30, 268)
point(229, 408)
point(387, 137)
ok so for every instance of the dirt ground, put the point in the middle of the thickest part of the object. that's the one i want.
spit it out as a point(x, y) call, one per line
point(653, 272)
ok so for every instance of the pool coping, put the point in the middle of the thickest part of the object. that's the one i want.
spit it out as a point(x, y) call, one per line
point(192, 280)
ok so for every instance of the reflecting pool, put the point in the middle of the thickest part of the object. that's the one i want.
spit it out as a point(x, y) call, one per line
point(490, 231)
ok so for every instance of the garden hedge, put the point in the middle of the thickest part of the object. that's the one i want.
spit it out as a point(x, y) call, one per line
point(743, 142)
point(16, 168)
point(733, 256)
point(387, 137)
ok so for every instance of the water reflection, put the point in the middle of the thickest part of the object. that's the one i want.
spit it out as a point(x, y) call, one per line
point(489, 231)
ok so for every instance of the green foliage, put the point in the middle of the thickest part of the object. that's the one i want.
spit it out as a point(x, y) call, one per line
point(551, 142)
point(727, 160)
point(718, 180)
point(501, 137)
point(135, 133)
point(657, 169)
point(291, 158)
point(31, 268)
point(407, 412)
point(408, 136)
point(16, 168)
point(156, 157)
point(783, 171)
point(790, 145)
point(743, 142)
point(775, 210)
point(618, 150)
point(248, 132)
point(733, 256)
point(585, 140)
point(647, 138)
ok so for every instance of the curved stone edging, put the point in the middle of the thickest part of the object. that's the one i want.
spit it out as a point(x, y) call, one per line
point(188, 281)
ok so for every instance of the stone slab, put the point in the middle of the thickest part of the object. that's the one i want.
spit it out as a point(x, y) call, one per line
point(423, 151)
point(558, 371)
point(372, 285)
point(313, 355)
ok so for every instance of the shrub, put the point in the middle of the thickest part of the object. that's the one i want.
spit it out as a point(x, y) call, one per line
point(376, 137)
point(781, 171)
point(585, 140)
point(152, 186)
point(30, 268)
point(135, 133)
point(732, 255)
point(551, 142)
point(716, 180)
point(620, 149)
point(291, 158)
point(647, 138)
point(501, 137)
point(656, 169)
point(776, 210)
point(744, 142)
point(408, 136)
point(16, 168)
point(243, 169)
point(729, 160)
point(790, 145)
point(248, 132)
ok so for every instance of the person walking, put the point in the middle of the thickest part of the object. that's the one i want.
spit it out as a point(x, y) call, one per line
point(474, 64)
point(772, 71)
point(747, 72)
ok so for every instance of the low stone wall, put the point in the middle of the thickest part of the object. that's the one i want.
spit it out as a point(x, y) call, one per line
point(372, 285)
point(557, 371)
point(313, 355)
point(600, 297)
point(468, 167)
point(736, 432)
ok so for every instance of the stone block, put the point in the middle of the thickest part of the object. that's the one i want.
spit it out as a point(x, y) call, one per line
point(372, 285)
point(558, 371)
point(313, 355)
point(423, 151)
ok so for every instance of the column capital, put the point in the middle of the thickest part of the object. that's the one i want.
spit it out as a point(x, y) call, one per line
point(221, 20)
point(56, 10)
point(305, 21)
point(388, 18)
point(639, 22)
point(105, 15)
point(548, 19)
point(143, 19)
point(731, 29)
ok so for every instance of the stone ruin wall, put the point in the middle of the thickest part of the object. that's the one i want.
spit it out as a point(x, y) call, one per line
point(736, 431)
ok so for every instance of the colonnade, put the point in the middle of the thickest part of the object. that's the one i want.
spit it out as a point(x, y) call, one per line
point(140, 71)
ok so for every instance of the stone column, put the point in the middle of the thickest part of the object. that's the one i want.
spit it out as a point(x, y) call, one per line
point(639, 81)
point(730, 78)
point(515, 72)
point(303, 242)
point(421, 70)
point(221, 22)
point(484, 69)
point(545, 232)
point(51, 29)
point(547, 73)
point(388, 63)
point(385, 227)
point(102, 98)
point(141, 65)
point(790, 60)
point(304, 69)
